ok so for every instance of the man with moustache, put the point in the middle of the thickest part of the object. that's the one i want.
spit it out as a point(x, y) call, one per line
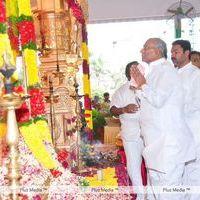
point(190, 77)
point(168, 141)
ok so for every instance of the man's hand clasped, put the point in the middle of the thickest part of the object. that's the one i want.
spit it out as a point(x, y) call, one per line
point(138, 77)
point(130, 108)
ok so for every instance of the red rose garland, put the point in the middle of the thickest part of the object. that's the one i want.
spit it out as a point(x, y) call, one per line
point(37, 102)
point(27, 32)
point(13, 35)
point(2, 18)
point(77, 11)
point(2, 12)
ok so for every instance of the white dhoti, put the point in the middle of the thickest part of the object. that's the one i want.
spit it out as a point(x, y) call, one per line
point(192, 179)
point(162, 186)
point(133, 150)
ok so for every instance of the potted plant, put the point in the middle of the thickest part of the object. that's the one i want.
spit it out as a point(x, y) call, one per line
point(98, 125)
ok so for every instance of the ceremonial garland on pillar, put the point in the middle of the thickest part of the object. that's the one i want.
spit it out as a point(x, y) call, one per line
point(32, 122)
point(5, 42)
point(4, 47)
point(12, 15)
point(78, 14)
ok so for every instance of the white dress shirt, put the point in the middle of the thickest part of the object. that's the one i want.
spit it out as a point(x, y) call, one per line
point(190, 76)
point(130, 128)
point(166, 135)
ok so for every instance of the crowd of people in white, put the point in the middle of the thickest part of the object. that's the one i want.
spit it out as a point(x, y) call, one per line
point(160, 120)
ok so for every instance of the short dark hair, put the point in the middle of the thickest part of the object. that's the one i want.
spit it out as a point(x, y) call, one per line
point(127, 70)
point(185, 44)
point(106, 94)
point(194, 53)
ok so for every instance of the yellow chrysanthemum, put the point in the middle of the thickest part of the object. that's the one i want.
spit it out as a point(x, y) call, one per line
point(5, 48)
point(30, 58)
point(86, 84)
point(44, 130)
point(89, 119)
point(3, 42)
point(85, 54)
point(11, 8)
point(31, 136)
point(2, 129)
point(24, 7)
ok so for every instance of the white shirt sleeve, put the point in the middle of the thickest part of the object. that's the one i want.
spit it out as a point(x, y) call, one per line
point(158, 88)
point(116, 99)
point(194, 105)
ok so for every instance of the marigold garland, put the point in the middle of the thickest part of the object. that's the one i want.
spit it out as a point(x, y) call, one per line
point(24, 7)
point(78, 14)
point(30, 59)
point(2, 129)
point(35, 130)
point(34, 140)
point(12, 14)
point(4, 47)
point(39, 127)
point(44, 131)
point(5, 43)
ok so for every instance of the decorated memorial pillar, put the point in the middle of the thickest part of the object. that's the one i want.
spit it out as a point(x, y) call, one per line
point(59, 36)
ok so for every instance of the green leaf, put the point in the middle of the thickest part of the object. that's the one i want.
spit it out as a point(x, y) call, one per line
point(25, 123)
point(30, 45)
point(3, 28)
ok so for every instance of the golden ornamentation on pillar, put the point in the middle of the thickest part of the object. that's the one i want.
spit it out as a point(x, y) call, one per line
point(59, 39)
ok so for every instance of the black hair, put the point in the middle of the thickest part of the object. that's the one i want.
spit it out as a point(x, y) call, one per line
point(194, 53)
point(185, 44)
point(106, 94)
point(127, 70)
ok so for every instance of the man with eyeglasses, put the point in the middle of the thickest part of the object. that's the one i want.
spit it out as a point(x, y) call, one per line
point(168, 141)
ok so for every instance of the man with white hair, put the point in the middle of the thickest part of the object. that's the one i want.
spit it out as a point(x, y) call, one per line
point(168, 140)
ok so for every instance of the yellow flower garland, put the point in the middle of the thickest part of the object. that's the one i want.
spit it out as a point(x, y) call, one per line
point(12, 11)
point(44, 131)
point(11, 8)
point(30, 59)
point(86, 80)
point(85, 53)
point(33, 139)
point(2, 129)
point(5, 48)
point(37, 133)
point(24, 7)
point(86, 84)
point(88, 119)
point(109, 179)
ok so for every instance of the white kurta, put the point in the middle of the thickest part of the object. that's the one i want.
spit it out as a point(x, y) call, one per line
point(190, 76)
point(130, 128)
point(130, 133)
point(167, 137)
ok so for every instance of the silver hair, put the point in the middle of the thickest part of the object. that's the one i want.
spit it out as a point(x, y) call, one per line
point(161, 45)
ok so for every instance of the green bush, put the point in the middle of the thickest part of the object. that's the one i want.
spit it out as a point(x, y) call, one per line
point(98, 120)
